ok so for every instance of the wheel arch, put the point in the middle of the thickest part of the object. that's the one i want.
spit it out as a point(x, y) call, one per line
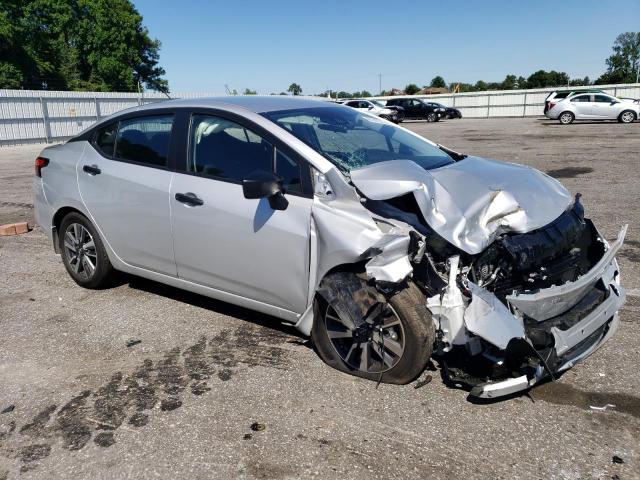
point(57, 220)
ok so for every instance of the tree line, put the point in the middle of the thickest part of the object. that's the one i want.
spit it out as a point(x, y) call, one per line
point(102, 45)
point(91, 45)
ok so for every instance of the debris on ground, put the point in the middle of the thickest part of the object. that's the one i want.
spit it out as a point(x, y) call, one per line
point(422, 383)
point(617, 459)
point(9, 409)
point(132, 342)
point(258, 427)
point(247, 436)
point(14, 229)
point(603, 408)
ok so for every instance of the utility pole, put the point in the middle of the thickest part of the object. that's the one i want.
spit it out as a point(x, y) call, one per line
point(380, 84)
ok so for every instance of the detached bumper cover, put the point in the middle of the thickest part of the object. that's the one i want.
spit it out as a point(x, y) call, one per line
point(551, 307)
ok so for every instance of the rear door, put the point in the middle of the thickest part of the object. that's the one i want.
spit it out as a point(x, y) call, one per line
point(124, 180)
point(582, 105)
point(225, 241)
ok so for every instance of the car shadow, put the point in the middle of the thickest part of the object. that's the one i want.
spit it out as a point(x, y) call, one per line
point(218, 306)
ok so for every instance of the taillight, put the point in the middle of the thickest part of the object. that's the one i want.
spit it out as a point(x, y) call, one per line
point(41, 162)
point(551, 105)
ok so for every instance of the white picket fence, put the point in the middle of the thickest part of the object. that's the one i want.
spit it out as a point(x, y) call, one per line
point(33, 116)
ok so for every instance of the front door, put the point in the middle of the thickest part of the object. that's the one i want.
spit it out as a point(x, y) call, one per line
point(227, 242)
point(124, 181)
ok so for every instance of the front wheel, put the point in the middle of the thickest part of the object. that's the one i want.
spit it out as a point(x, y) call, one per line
point(393, 346)
point(627, 117)
point(83, 252)
point(566, 118)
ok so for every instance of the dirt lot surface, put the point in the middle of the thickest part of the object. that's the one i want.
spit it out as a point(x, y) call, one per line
point(208, 390)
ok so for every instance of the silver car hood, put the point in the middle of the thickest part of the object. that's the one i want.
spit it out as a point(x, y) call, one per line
point(470, 202)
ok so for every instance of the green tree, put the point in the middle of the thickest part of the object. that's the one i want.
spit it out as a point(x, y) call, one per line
point(365, 94)
point(78, 45)
point(510, 82)
point(295, 89)
point(438, 82)
point(411, 89)
point(624, 64)
point(542, 79)
point(480, 86)
point(248, 91)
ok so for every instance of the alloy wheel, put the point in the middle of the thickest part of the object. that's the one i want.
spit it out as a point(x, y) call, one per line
point(566, 118)
point(80, 250)
point(375, 346)
point(627, 117)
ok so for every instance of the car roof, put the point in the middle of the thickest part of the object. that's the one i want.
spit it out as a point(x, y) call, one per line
point(253, 103)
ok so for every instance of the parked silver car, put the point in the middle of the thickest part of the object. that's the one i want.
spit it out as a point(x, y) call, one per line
point(383, 246)
point(593, 106)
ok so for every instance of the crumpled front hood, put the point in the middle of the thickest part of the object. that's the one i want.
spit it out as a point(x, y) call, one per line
point(472, 201)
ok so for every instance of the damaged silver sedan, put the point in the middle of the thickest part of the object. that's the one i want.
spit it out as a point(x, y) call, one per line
point(384, 247)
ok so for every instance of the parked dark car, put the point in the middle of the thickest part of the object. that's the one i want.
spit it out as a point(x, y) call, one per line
point(417, 109)
point(449, 112)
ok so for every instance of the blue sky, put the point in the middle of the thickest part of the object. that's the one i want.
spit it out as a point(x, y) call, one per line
point(344, 45)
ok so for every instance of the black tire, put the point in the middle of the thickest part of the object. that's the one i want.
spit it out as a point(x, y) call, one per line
point(566, 118)
point(103, 274)
point(417, 328)
point(627, 116)
point(432, 117)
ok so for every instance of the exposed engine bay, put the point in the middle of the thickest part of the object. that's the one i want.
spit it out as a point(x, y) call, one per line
point(516, 294)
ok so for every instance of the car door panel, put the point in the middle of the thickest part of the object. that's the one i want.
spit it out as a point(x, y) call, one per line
point(129, 204)
point(242, 246)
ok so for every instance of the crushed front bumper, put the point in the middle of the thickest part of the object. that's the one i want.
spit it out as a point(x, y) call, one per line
point(558, 310)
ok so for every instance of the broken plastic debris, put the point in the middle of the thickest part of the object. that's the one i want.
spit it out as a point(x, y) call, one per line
point(422, 383)
point(257, 427)
point(9, 409)
point(617, 459)
point(132, 342)
point(603, 408)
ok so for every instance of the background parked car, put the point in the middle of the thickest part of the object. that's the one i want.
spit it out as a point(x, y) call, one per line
point(593, 106)
point(449, 112)
point(417, 109)
point(375, 108)
point(561, 95)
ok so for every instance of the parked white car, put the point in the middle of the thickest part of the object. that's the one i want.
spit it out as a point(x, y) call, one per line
point(374, 108)
point(593, 106)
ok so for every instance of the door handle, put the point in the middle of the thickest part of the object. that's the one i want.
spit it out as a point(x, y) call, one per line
point(190, 199)
point(92, 169)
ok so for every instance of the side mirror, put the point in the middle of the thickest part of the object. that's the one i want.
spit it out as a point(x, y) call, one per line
point(370, 107)
point(261, 184)
point(613, 102)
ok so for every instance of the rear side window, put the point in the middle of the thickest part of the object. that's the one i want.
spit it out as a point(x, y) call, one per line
point(561, 95)
point(581, 98)
point(106, 139)
point(144, 140)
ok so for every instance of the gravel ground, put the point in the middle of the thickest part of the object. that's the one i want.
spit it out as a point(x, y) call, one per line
point(215, 391)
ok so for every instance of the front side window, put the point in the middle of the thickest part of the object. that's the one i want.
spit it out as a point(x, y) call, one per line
point(581, 98)
point(351, 140)
point(226, 150)
point(144, 140)
point(603, 99)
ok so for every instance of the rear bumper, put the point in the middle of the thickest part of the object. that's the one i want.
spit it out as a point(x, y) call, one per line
point(578, 327)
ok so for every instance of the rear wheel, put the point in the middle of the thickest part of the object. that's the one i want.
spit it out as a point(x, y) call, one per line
point(566, 118)
point(394, 346)
point(83, 252)
point(432, 117)
point(627, 116)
